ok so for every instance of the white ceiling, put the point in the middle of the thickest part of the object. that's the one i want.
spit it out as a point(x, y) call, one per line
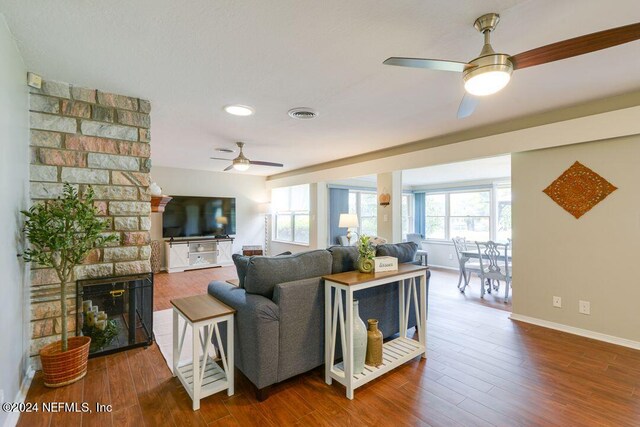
point(192, 58)
point(472, 170)
point(489, 168)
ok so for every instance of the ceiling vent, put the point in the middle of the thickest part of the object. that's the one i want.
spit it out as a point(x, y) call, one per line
point(303, 113)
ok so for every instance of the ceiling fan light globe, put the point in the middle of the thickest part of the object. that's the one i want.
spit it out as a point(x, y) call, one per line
point(241, 166)
point(487, 83)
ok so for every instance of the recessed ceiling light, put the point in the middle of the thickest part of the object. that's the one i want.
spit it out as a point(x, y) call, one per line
point(239, 110)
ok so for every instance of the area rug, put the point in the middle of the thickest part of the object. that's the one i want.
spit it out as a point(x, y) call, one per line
point(163, 331)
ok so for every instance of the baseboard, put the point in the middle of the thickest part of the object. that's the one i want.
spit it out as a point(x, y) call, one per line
point(13, 417)
point(577, 331)
point(443, 267)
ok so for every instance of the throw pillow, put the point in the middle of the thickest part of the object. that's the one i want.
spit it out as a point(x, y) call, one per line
point(264, 273)
point(241, 262)
point(344, 258)
point(405, 252)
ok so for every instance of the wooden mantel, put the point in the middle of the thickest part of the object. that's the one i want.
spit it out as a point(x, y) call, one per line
point(159, 202)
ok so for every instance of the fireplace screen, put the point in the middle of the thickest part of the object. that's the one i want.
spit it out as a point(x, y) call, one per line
point(116, 312)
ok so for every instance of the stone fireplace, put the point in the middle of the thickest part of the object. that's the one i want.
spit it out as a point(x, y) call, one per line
point(89, 137)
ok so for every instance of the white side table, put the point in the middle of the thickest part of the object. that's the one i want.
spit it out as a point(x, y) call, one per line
point(202, 376)
point(394, 352)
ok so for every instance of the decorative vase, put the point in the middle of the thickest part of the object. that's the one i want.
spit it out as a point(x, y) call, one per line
point(374, 344)
point(155, 189)
point(365, 265)
point(359, 335)
point(200, 248)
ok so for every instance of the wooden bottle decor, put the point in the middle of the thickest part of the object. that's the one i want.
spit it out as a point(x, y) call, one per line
point(374, 344)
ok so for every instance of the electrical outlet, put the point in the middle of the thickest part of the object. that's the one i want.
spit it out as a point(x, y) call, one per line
point(450, 256)
point(557, 302)
point(584, 307)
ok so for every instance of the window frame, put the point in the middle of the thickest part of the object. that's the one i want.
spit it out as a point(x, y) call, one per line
point(493, 208)
point(292, 221)
point(410, 214)
point(358, 193)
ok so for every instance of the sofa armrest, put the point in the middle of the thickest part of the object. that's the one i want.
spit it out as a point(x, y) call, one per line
point(301, 305)
point(256, 337)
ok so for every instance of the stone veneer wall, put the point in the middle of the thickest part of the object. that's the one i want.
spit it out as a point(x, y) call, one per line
point(85, 136)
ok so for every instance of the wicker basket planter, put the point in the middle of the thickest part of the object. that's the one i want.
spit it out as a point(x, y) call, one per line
point(60, 368)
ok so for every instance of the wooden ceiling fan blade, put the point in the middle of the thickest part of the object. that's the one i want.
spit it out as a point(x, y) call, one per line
point(228, 168)
point(467, 105)
point(576, 46)
point(431, 64)
point(260, 163)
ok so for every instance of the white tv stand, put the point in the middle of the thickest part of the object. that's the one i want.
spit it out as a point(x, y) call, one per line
point(198, 252)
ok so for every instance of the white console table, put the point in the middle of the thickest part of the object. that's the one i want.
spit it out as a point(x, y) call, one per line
point(394, 352)
point(190, 254)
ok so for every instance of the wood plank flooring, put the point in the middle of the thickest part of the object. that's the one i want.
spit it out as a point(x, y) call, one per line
point(482, 370)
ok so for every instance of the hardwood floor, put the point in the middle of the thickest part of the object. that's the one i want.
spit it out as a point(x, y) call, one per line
point(482, 369)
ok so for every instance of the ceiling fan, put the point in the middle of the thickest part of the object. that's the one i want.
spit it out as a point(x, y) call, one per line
point(241, 163)
point(490, 71)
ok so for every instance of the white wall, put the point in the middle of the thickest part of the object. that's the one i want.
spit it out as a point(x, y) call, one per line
point(14, 170)
point(248, 190)
point(592, 258)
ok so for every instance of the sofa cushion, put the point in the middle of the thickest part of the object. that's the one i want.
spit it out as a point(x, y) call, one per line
point(344, 258)
point(405, 252)
point(242, 262)
point(264, 273)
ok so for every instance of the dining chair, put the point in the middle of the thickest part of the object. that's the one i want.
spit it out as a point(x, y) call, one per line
point(465, 266)
point(494, 266)
point(422, 254)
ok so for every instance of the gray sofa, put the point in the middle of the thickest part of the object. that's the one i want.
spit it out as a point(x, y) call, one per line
point(279, 324)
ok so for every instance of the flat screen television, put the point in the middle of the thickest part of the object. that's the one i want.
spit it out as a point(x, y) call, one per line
point(190, 216)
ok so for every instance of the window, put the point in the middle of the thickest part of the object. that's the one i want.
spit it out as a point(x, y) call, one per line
point(407, 214)
point(470, 214)
point(436, 216)
point(291, 213)
point(503, 213)
point(365, 205)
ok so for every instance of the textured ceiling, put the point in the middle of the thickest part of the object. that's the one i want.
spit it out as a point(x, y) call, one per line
point(192, 58)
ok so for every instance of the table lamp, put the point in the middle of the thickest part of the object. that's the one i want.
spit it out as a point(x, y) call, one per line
point(348, 221)
point(223, 221)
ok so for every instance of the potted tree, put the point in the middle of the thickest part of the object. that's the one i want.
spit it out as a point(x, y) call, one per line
point(61, 234)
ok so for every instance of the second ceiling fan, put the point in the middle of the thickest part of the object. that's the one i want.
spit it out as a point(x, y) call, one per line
point(241, 163)
point(490, 71)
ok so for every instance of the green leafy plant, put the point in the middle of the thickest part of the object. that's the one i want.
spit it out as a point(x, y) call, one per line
point(101, 338)
point(61, 234)
point(365, 248)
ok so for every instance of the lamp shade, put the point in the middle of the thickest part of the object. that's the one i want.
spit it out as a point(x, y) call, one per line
point(222, 220)
point(348, 221)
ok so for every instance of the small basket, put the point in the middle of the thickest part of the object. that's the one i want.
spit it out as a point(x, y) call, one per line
point(60, 368)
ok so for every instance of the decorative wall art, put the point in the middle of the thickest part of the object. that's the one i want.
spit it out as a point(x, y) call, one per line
point(579, 189)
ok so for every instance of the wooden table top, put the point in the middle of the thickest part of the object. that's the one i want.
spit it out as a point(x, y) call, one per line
point(201, 307)
point(351, 278)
